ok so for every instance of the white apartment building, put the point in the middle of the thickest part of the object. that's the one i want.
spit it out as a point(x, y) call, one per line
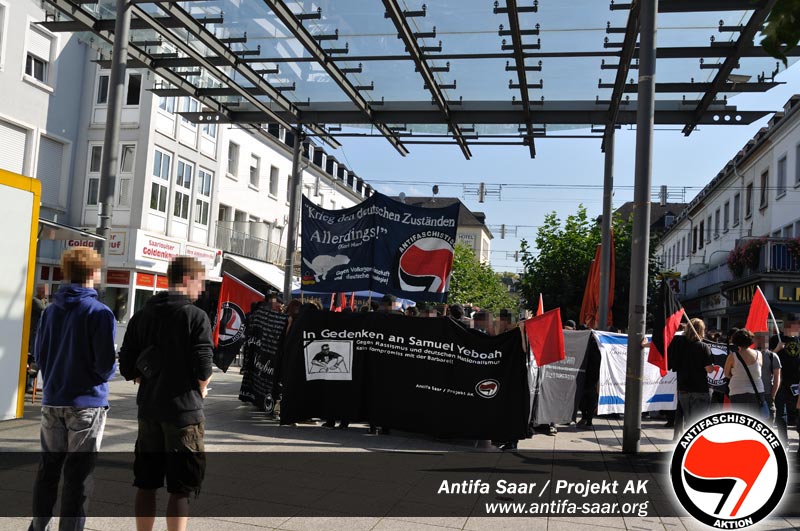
point(750, 204)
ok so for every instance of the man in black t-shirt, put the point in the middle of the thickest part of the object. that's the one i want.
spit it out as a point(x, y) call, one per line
point(788, 350)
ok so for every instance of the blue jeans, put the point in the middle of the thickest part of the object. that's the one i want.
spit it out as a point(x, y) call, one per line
point(70, 439)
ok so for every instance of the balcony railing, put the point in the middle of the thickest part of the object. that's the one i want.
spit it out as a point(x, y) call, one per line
point(774, 256)
point(250, 246)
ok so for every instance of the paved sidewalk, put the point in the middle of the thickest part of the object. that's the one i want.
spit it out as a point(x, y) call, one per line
point(233, 426)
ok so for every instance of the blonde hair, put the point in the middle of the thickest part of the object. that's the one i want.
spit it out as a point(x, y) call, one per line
point(697, 331)
point(78, 265)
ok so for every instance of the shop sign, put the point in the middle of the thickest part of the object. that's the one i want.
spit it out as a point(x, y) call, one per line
point(118, 276)
point(790, 292)
point(161, 282)
point(742, 294)
point(116, 243)
point(712, 302)
point(211, 258)
point(154, 248)
point(145, 280)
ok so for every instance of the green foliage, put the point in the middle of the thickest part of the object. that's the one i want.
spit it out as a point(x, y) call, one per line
point(561, 266)
point(782, 29)
point(477, 284)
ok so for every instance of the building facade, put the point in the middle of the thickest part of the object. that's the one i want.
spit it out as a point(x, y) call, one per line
point(742, 229)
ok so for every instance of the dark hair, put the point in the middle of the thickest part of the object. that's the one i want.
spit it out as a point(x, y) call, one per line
point(456, 311)
point(743, 338)
point(412, 311)
point(180, 266)
point(293, 308)
point(79, 264)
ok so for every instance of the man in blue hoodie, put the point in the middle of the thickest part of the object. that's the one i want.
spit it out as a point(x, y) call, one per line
point(74, 349)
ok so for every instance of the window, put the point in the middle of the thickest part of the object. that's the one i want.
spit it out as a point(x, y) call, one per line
point(683, 248)
point(93, 188)
point(787, 231)
point(127, 157)
point(781, 178)
point(708, 229)
point(134, 89)
point(183, 185)
point(726, 216)
point(233, 158)
point(2, 27)
point(669, 219)
point(748, 200)
point(716, 224)
point(694, 239)
point(37, 60)
point(797, 229)
point(209, 130)
point(167, 104)
point(762, 203)
point(274, 175)
point(202, 201)
point(701, 235)
point(159, 187)
point(189, 105)
point(102, 90)
point(255, 170)
point(737, 199)
point(797, 165)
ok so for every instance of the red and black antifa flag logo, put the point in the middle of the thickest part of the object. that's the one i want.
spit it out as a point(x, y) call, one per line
point(729, 470)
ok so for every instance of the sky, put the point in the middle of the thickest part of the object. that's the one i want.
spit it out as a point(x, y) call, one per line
point(565, 172)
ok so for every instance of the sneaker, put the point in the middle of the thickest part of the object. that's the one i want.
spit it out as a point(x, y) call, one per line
point(509, 446)
point(584, 423)
point(552, 430)
point(343, 425)
point(330, 424)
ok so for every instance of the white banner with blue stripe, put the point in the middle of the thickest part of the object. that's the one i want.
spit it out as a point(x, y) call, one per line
point(657, 394)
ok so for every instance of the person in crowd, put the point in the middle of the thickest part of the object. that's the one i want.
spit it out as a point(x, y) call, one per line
point(505, 321)
point(589, 398)
point(483, 321)
point(76, 367)
point(788, 350)
point(743, 367)
point(569, 324)
point(37, 309)
point(390, 304)
point(770, 373)
point(412, 311)
point(691, 360)
point(172, 365)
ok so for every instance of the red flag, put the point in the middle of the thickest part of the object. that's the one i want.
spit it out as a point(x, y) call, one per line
point(759, 311)
point(546, 337)
point(235, 300)
point(540, 309)
point(341, 303)
point(666, 321)
point(591, 294)
point(333, 300)
point(353, 301)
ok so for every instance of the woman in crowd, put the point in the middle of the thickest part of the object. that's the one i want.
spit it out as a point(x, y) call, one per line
point(743, 367)
point(691, 360)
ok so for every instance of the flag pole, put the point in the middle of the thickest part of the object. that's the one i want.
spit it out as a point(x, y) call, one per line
point(689, 322)
point(774, 321)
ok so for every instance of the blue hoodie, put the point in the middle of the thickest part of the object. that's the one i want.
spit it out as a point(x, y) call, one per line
point(75, 349)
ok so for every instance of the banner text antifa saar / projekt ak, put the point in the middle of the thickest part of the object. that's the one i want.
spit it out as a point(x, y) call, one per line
point(380, 245)
point(411, 373)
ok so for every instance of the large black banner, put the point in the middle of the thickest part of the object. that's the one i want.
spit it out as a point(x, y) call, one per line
point(425, 375)
point(381, 245)
point(263, 338)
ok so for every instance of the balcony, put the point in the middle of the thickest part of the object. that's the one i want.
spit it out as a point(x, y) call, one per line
point(765, 255)
point(714, 276)
point(247, 245)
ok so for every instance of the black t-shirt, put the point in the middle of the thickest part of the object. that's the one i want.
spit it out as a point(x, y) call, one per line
point(790, 360)
point(689, 360)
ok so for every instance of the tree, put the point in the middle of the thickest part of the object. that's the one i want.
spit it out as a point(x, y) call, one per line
point(560, 268)
point(782, 29)
point(475, 283)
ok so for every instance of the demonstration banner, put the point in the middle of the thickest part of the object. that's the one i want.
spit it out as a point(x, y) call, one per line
point(381, 245)
point(263, 339)
point(557, 383)
point(235, 300)
point(415, 374)
point(658, 393)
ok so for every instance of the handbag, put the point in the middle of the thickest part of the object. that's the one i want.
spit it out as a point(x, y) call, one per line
point(763, 407)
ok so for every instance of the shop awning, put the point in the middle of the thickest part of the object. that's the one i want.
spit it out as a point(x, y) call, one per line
point(50, 230)
point(269, 273)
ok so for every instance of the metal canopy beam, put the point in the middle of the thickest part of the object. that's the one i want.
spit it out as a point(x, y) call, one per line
point(678, 88)
point(312, 46)
point(745, 41)
point(398, 18)
point(694, 6)
point(628, 47)
point(580, 113)
point(519, 60)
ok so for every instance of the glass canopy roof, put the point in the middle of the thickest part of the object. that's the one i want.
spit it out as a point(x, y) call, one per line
point(322, 63)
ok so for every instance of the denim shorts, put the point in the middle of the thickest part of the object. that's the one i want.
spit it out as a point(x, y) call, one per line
point(176, 453)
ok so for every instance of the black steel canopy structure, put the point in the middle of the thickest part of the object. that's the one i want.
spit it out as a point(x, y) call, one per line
point(463, 72)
